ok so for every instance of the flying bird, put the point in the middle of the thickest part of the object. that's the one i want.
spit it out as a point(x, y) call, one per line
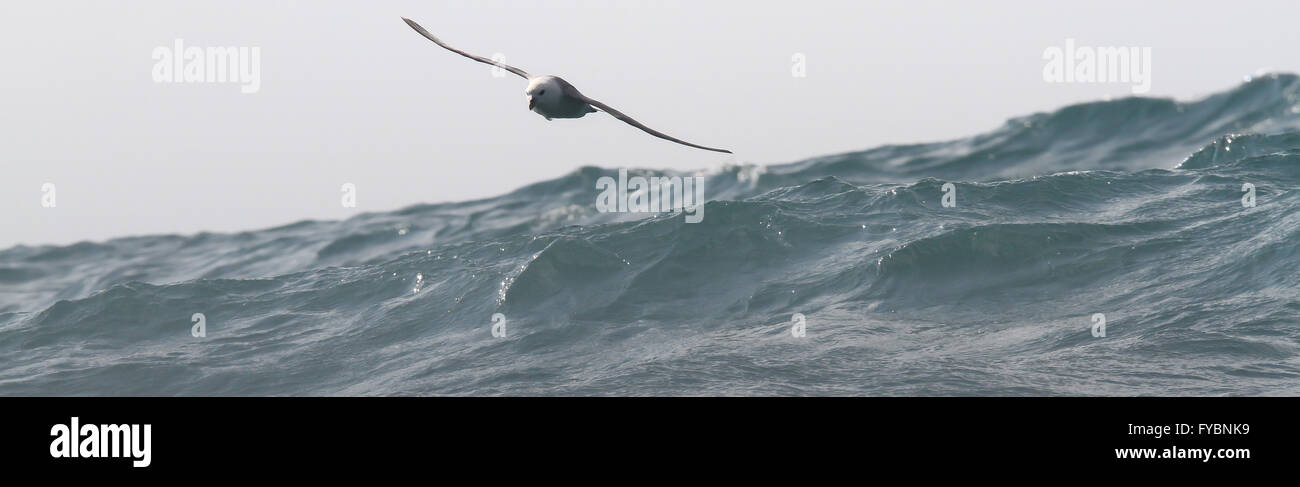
point(553, 97)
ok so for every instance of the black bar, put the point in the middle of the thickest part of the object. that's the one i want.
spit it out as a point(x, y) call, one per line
point(363, 434)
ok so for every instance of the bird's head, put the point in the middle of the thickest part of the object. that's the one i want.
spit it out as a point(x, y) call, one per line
point(543, 91)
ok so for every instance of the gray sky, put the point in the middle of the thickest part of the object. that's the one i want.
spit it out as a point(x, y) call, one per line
point(350, 94)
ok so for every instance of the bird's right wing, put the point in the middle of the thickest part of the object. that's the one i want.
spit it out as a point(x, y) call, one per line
point(480, 59)
point(573, 92)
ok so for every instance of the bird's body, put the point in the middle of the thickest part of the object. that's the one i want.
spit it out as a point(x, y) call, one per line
point(553, 97)
point(546, 95)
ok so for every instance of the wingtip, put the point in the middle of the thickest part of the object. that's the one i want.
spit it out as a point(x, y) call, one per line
point(413, 25)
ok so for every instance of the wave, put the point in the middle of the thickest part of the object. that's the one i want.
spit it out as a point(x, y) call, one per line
point(1132, 209)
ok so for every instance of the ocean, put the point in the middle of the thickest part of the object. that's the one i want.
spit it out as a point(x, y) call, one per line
point(1138, 246)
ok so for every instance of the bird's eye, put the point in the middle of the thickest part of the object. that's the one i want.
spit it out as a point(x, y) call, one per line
point(543, 92)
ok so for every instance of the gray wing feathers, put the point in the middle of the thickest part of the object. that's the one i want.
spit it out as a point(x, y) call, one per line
point(573, 92)
point(480, 59)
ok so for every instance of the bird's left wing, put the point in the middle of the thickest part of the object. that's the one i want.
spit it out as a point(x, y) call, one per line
point(480, 59)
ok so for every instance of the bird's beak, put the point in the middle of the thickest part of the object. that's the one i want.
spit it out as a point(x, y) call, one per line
point(531, 102)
